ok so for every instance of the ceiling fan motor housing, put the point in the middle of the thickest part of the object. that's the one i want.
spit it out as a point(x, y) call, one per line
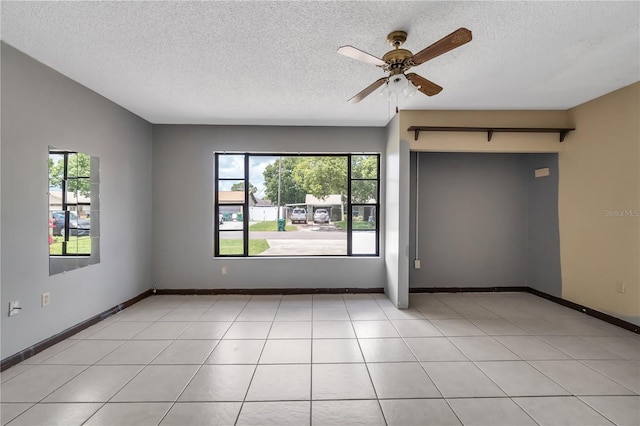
point(396, 60)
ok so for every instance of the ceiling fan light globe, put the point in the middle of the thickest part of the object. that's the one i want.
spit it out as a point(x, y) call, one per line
point(410, 90)
point(397, 83)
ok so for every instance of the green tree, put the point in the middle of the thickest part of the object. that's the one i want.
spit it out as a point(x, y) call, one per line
point(322, 176)
point(291, 191)
point(364, 167)
point(240, 187)
point(78, 172)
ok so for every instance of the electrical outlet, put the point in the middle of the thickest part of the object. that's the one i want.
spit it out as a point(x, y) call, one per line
point(223, 270)
point(44, 299)
point(416, 264)
point(620, 287)
point(14, 308)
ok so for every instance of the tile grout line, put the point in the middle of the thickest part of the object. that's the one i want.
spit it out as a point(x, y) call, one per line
point(149, 363)
point(176, 339)
point(423, 369)
point(506, 396)
point(581, 361)
point(128, 381)
point(144, 367)
point(87, 367)
point(595, 409)
point(244, 399)
point(202, 364)
point(366, 366)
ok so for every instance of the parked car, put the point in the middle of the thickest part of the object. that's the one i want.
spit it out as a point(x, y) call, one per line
point(77, 227)
point(321, 216)
point(298, 216)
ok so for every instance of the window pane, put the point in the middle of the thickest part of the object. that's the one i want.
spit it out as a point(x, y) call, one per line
point(279, 180)
point(82, 222)
point(84, 165)
point(312, 187)
point(259, 167)
point(84, 245)
point(231, 237)
point(364, 166)
point(79, 165)
point(364, 191)
point(259, 245)
point(82, 189)
point(72, 165)
point(363, 217)
point(230, 216)
point(55, 248)
point(231, 246)
point(307, 240)
point(56, 170)
point(72, 244)
point(231, 166)
point(73, 221)
point(363, 242)
point(231, 191)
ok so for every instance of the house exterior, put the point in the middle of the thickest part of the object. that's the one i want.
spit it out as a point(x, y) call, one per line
point(333, 203)
point(231, 203)
point(82, 202)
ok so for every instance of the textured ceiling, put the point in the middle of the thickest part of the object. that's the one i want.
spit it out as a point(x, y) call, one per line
point(276, 62)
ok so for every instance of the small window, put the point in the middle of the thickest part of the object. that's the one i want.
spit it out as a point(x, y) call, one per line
point(296, 205)
point(73, 210)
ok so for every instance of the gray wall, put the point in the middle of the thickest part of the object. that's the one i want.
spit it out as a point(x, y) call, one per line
point(543, 235)
point(183, 209)
point(41, 107)
point(484, 221)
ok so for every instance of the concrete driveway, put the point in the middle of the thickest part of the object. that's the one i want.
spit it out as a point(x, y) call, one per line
point(308, 240)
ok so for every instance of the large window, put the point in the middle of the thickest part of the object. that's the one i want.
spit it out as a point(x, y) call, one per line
point(296, 205)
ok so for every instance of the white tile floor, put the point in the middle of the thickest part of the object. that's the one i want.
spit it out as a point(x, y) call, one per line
point(472, 359)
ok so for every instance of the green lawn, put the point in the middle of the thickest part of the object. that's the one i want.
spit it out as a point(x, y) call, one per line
point(356, 225)
point(270, 225)
point(230, 247)
point(80, 246)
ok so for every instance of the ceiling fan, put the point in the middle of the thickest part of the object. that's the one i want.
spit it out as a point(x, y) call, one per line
point(397, 61)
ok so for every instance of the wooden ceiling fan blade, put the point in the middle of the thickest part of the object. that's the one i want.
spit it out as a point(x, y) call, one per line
point(455, 39)
point(369, 90)
point(354, 53)
point(427, 87)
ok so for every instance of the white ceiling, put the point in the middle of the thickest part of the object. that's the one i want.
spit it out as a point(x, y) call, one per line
point(259, 62)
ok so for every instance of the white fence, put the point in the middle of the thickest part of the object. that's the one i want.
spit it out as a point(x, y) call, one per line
point(259, 214)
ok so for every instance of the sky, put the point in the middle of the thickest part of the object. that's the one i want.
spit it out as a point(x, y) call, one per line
point(232, 166)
